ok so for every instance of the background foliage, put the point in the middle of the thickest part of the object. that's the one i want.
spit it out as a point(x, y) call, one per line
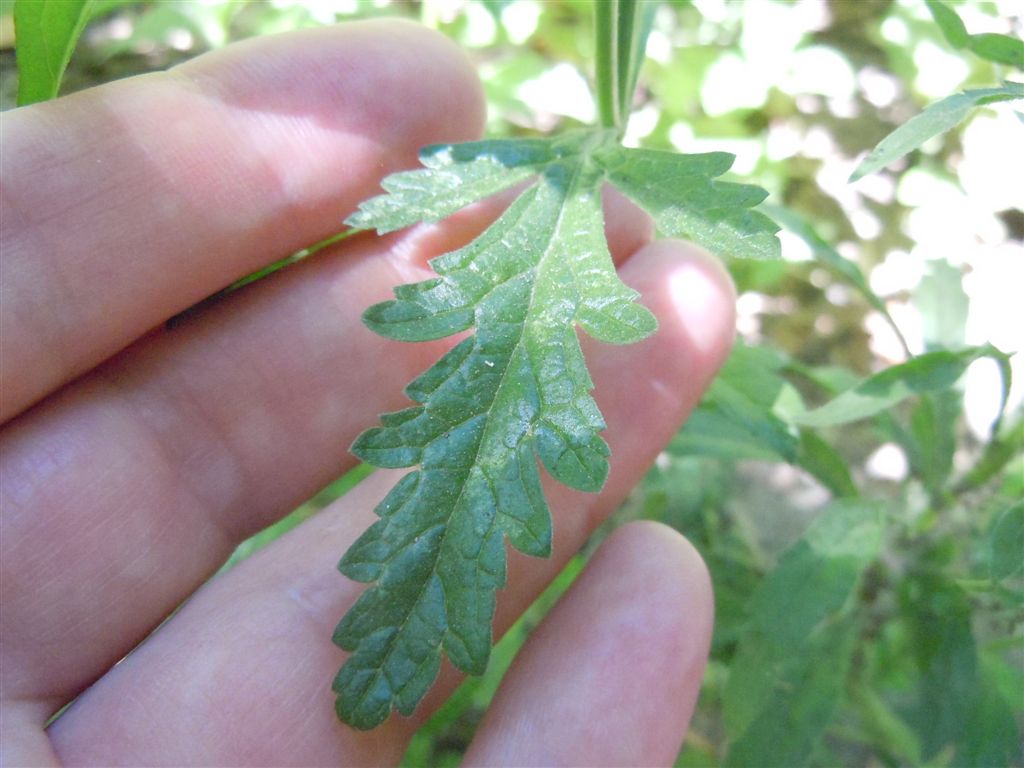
point(866, 555)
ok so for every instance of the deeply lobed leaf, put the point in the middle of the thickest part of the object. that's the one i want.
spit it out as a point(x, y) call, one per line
point(515, 392)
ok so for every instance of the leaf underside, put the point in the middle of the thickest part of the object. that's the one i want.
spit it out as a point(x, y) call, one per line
point(515, 392)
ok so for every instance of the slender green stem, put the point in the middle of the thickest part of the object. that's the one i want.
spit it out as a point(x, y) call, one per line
point(606, 44)
point(624, 36)
point(620, 35)
point(262, 273)
point(636, 19)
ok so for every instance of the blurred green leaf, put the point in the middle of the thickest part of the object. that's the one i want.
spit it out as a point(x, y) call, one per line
point(802, 695)
point(824, 463)
point(789, 671)
point(930, 372)
point(1006, 544)
point(949, 22)
point(943, 304)
point(796, 224)
point(957, 706)
point(740, 417)
point(1001, 449)
point(495, 7)
point(933, 431)
point(943, 643)
point(816, 576)
point(503, 78)
point(103, 7)
point(46, 33)
point(710, 432)
point(735, 419)
point(935, 119)
point(1002, 49)
point(1001, 666)
point(992, 737)
point(887, 729)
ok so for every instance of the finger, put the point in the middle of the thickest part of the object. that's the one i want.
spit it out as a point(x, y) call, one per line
point(249, 659)
point(148, 446)
point(612, 674)
point(141, 197)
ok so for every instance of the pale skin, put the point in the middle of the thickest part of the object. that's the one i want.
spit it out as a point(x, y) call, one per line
point(134, 458)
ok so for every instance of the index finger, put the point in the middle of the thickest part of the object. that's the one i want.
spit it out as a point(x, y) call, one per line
point(139, 198)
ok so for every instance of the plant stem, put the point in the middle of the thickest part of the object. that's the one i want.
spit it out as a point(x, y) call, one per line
point(606, 44)
point(262, 273)
point(620, 37)
point(626, 27)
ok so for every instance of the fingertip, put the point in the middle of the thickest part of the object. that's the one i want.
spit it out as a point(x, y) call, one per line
point(693, 294)
point(660, 546)
point(656, 563)
point(694, 299)
point(646, 390)
point(628, 227)
point(670, 569)
point(670, 575)
point(704, 297)
point(612, 675)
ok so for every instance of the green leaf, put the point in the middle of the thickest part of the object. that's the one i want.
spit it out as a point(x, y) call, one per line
point(515, 392)
point(992, 736)
point(46, 33)
point(742, 416)
point(791, 663)
point(935, 119)
point(824, 463)
point(945, 653)
point(943, 305)
point(1006, 544)
point(495, 7)
point(448, 726)
point(1001, 49)
point(952, 27)
point(1001, 449)
point(738, 410)
point(933, 423)
point(709, 432)
point(678, 192)
point(956, 706)
point(797, 696)
point(930, 372)
point(885, 726)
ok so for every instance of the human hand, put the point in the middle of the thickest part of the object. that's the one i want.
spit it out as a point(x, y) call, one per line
point(135, 458)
